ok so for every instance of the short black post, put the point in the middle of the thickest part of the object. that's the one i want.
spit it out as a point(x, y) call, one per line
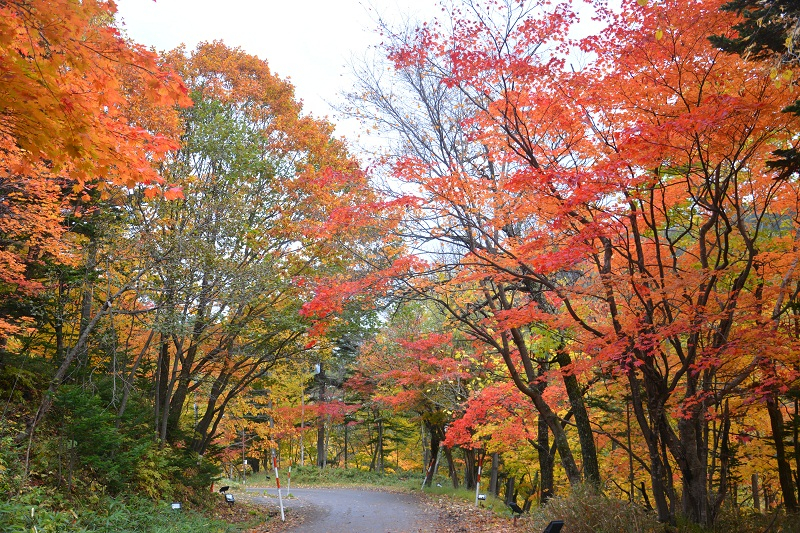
point(554, 526)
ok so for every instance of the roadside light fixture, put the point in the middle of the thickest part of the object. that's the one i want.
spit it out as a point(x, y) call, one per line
point(176, 506)
point(230, 499)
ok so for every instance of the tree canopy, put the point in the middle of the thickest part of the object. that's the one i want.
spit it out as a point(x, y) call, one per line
point(575, 258)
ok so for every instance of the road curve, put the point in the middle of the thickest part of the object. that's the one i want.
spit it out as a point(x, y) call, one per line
point(334, 510)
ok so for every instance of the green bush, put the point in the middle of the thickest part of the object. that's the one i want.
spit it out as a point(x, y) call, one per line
point(90, 445)
point(48, 513)
point(11, 468)
point(153, 474)
point(190, 474)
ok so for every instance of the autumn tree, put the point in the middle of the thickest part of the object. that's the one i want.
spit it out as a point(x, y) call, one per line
point(768, 32)
point(626, 205)
point(241, 246)
point(64, 122)
point(441, 157)
point(64, 96)
point(499, 418)
point(717, 243)
point(414, 368)
point(66, 132)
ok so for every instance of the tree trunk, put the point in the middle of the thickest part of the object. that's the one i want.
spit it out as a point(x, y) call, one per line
point(470, 466)
point(649, 424)
point(206, 426)
point(377, 459)
point(493, 476)
point(546, 462)
point(58, 325)
point(436, 436)
point(796, 443)
point(509, 490)
point(88, 296)
point(423, 435)
point(534, 392)
point(127, 384)
point(591, 469)
point(693, 472)
point(451, 467)
point(724, 463)
point(784, 468)
point(163, 390)
point(322, 453)
point(756, 493)
point(345, 444)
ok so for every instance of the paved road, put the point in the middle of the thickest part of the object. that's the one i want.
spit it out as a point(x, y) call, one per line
point(354, 511)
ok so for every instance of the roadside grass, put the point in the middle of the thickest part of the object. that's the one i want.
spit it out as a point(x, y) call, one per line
point(311, 476)
point(586, 511)
point(492, 503)
point(47, 512)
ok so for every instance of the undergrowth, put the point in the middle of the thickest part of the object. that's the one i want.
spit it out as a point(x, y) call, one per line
point(311, 476)
point(48, 512)
point(584, 510)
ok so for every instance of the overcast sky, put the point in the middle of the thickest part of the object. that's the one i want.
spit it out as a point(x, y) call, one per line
point(308, 41)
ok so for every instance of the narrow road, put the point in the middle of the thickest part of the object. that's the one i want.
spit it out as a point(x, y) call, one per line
point(355, 511)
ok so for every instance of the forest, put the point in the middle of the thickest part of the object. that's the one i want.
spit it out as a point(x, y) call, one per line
point(571, 264)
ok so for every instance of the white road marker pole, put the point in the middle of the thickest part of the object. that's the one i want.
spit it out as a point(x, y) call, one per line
point(278, 481)
point(478, 482)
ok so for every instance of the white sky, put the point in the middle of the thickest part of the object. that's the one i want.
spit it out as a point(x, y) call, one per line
point(307, 41)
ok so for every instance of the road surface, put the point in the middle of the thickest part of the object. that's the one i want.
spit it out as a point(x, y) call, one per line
point(333, 510)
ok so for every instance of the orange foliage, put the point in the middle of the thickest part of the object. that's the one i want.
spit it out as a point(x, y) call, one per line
point(627, 205)
point(64, 97)
point(76, 113)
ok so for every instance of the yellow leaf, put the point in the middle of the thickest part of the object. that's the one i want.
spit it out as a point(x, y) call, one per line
point(641, 2)
point(659, 34)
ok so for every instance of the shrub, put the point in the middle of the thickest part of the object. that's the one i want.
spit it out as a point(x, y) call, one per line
point(11, 468)
point(585, 510)
point(44, 511)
